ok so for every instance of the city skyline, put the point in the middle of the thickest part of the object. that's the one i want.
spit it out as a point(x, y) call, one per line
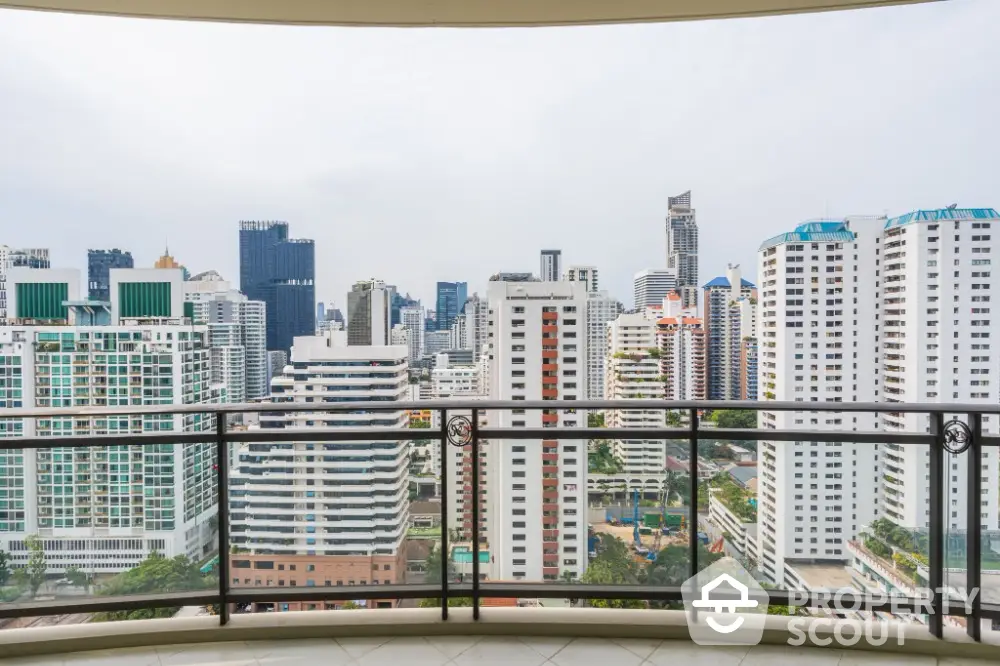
point(790, 154)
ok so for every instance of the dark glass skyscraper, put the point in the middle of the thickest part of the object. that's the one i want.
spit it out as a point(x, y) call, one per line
point(451, 297)
point(99, 265)
point(280, 271)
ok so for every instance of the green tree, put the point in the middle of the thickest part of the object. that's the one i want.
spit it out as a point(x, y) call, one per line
point(736, 418)
point(673, 419)
point(595, 420)
point(671, 569)
point(155, 574)
point(612, 566)
point(606, 572)
point(675, 486)
point(79, 578)
point(4, 568)
point(350, 605)
point(433, 575)
point(31, 576)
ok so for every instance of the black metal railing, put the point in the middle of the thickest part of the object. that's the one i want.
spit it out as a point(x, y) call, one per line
point(952, 436)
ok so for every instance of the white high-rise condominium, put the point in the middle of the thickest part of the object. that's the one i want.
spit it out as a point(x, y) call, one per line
point(655, 354)
point(237, 334)
point(127, 501)
point(585, 274)
point(551, 261)
point(682, 247)
point(632, 372)
point(818, 341)
point(355, 492)
point(601, 309)
point(652, 286)
point(412, 317)
point(369, 317)
point(18, 258)
point(937, 336)
point(538, 343)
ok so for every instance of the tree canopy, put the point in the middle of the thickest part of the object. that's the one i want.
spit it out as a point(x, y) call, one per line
point(735, 418)
point(155, 574)
point(31, 576)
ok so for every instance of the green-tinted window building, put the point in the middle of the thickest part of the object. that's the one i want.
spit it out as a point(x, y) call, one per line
point(42, 300)
point(144, 299)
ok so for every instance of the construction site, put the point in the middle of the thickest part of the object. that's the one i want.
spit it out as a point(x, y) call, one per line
point(647, 530)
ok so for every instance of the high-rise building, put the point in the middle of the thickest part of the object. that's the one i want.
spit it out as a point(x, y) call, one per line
point(680, 338)
point(354, 536)
point(276, 362)
point(601, 309)
point(585, 274)
point(819, 341)
point(237, 334)
point(18, 258)
point(281, 272)
point(937, 287)
point(320, 312)
point(412, 317)
point(451, 297)
point(682, 247)
point(730, 317)
point(397, 303)
point(477, 317)
point(551, 265)
point(654, 355)
point(436, 342)
point(652, 286)
point(99, 265)
point(536, 496)
point(125, 504)
point(632, 372)
point(368, 314)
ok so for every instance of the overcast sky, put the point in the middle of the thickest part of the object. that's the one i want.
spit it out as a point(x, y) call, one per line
point(422, 155)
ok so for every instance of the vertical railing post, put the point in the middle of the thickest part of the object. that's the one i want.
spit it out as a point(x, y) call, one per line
point(222, 481)
point(445, 491)
point(936, 538)
point(475, 514)
point(693, 497)
point(973, 546)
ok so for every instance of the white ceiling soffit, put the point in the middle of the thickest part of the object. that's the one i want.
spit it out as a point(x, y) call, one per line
point(444, 13)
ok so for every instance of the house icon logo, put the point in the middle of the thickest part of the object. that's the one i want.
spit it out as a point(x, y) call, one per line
point(725, 605)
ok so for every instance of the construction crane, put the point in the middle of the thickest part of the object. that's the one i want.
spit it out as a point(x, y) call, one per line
point(663, 523)
point(635, 520)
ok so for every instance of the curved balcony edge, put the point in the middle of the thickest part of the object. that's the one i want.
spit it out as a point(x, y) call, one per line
point(576, 622)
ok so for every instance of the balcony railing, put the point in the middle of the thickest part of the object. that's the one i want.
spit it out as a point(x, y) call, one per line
point(458, 429)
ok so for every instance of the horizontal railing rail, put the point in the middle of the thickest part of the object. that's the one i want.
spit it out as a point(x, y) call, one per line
point(939, 440)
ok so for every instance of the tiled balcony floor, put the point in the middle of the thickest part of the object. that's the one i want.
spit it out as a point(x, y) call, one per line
point(481, 651)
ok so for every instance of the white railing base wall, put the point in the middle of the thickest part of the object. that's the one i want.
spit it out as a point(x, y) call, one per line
point(576, 622)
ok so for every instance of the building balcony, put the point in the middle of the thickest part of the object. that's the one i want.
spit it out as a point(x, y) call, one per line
point(262, 534)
